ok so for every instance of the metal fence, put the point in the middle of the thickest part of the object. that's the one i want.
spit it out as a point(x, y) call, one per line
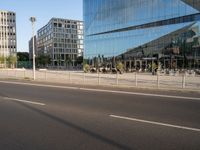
point(180, 81)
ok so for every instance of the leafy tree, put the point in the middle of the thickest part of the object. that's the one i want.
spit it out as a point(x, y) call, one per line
point(79, 60)
point(86, 68)
point(43, 60)
point(12, 60)
point(68, 61)
point(23, 56)
point(120, 67)
point(1, 59)
point(59, 61)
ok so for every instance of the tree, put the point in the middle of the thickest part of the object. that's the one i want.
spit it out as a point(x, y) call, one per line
point(79, 60)
point(12, 60)
point(68, 61)
point(59, 61)
point(43, 60)
point(86, 68)
point(120, 67)
point(23, 56)
point(1, 59)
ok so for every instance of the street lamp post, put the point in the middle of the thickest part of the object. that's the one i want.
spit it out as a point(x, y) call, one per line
point(33, 19)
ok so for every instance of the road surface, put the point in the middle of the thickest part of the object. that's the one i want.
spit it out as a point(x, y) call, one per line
point(42, 117)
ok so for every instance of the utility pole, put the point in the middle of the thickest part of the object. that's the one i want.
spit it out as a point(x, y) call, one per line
point(33, 19)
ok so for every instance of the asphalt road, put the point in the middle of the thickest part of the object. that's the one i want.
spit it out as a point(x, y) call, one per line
point(52, 118)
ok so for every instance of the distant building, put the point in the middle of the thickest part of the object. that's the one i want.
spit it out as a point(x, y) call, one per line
point(62, 40)
point(31, 47)
point(8, 40)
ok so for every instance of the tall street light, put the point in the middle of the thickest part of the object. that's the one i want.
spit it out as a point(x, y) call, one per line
point(33, 19)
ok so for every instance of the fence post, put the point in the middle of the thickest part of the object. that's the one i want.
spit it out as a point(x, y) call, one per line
point(24, 74)
point(117, 78)
point(136, 82)
point(158, 82)
point(98, 78)
point(69, 77)
point(15, 73)
point(83, 77)
point(45, 75)
point(7, 73)
point(183, 81)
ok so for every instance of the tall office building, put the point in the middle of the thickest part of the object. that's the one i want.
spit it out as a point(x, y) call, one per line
point(138, 32)
point(62, 40)
point(30, 43)
point(8, 41)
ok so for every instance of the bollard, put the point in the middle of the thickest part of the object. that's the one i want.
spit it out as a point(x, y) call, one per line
point(136, 82)
point(83, 77)
point(117, 78)
point(15, 73)
point(69, 77)
point(158, 82)
point(183, 81)
point(98, 78)
point(24, 74)
point(45, 75)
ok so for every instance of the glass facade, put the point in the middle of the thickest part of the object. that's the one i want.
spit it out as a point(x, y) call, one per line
point(166, 31)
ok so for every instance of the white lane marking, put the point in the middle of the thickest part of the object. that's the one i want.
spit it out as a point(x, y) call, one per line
point(105, 91)
point(156, 123)
point(24, 101)
point(142, 94)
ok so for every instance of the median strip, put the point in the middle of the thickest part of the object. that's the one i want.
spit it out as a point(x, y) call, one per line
point(156, 123)
point(24, 101)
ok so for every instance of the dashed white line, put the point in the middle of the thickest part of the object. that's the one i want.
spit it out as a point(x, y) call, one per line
point(24, 101)
point(156, 123)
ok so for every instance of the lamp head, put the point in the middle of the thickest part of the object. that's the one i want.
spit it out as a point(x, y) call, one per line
point(32, 19)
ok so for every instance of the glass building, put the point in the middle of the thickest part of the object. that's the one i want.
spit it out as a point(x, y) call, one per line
point(141, 32)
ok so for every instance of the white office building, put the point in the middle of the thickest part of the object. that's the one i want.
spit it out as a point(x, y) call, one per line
point(8, 40)
point(62, 40)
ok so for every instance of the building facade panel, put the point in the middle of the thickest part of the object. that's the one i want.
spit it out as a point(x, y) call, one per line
point(142, 29)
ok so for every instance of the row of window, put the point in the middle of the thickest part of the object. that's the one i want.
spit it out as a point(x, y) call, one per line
point(62, 57)
point(48, 27)
point(61, 38)
point(56, 50)
point(62, 41)
point(6, 27)
point(62, 30)
point(60, 25)
point(7, 34)
point(75, 31)
point(61, 35)
point(5, 13)
point(8, 20)
point(65, 45)
point(65, 21)
point(9, 46)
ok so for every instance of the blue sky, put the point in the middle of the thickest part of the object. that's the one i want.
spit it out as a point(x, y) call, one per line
point(43, 10)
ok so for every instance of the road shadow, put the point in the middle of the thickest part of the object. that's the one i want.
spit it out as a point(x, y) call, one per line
point(76, 127)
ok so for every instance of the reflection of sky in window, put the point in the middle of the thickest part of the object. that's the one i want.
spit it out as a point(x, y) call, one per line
point(107, 15)
point(123, 41)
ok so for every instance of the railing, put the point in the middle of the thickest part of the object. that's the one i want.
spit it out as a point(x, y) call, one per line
point(181, 81)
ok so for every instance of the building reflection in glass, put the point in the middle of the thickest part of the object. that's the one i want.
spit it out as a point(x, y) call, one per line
point(142, 32)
